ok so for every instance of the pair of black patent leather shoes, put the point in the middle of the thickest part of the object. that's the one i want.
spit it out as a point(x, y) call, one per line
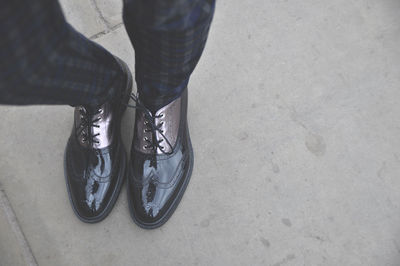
point(95, 161)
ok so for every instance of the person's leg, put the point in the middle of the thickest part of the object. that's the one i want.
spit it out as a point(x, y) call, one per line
point(45, 61)
point(168, 37)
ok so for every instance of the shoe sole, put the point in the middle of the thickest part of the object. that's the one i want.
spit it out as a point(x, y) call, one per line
point(174, 204)
point(121, 175)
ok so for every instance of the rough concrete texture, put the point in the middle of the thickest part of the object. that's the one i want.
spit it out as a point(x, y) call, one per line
point(14, 249)
point(111, 11)
point(294, 115)
point(84, 16)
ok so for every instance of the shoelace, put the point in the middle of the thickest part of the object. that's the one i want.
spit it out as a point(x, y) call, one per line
point(88, 123)
point(151, 127)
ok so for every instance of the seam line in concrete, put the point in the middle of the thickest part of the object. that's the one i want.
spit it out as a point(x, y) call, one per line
point(102, 18)
point(104, 32)
point(13, 221)
point(109, 26)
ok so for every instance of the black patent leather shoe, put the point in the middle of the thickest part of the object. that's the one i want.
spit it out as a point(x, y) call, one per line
point(95, 159)
point(161, 162)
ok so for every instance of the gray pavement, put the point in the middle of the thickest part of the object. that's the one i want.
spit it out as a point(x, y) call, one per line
point(294, 115)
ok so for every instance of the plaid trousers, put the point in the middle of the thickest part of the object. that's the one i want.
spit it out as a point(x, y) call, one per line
point(44, 60)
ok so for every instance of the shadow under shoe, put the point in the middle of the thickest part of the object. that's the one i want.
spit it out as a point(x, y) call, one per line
point(161, 162)
point(95, 159)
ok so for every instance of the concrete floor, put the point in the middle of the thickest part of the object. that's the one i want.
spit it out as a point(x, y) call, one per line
point(295, 120)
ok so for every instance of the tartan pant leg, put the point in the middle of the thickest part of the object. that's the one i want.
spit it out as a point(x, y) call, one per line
point(169, 37)
point(43, 60)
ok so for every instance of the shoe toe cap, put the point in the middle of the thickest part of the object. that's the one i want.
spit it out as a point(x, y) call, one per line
point(89, 200)
point(150, 203)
